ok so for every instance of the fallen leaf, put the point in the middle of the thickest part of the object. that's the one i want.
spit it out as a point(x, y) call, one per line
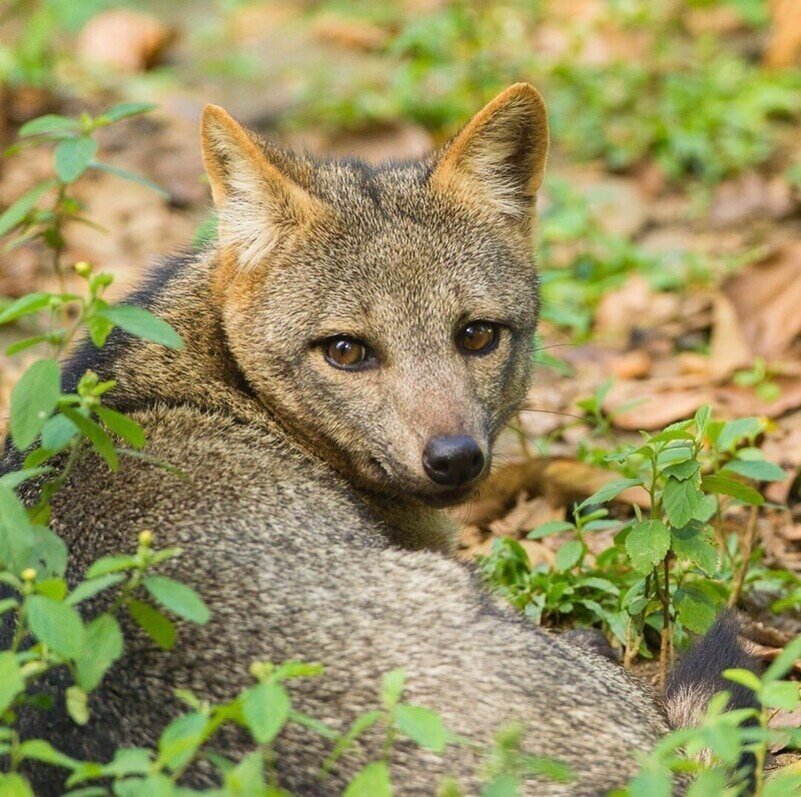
point(784, 42)
point(728, 348)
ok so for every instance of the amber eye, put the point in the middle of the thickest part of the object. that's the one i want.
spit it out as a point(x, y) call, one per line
point(478, 337)
point(348, 353)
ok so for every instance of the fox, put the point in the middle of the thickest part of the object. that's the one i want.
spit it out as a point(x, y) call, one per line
point(356, 338)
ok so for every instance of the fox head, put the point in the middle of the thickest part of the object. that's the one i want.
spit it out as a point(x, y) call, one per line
point(385, 314)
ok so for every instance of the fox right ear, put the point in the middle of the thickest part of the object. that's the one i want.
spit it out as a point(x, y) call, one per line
point(256, 202)
point(498, 159)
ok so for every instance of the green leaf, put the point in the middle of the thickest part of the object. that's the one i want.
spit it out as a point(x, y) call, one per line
point(784, 662)
point(11, 681)
point(77, 705)
point(103, 646)
point(57, 625)
point(13, 785)
point(90, 588)
point(745, 678)
point(372, 781)
point(723, 486)
point(33, 400)
point(110, 564)
point(16, 532)
point(13, 215)
point(759, 470)
point(422, 725)
point(694, 543)
point(14, 478)
point(392, 687)
point(25, 305)
point(96, 435)
point(41, 750)
point(127, 428)
point(682, 470)
point(58, 432)
point(695, 610)
point(569, 555)
point(123, 110)
point(733, 432)
point(246, 779)
point(647, 544)
point(73, 156)
point(143, 324)
point(680, 500)
point(49, 123)
point(359, 726)
point(178, 598)
point(609, 491)
point(552, 527)
point(180, 739)
point(266, 709)
point(48, 552)
point(25, 343)
point(160, 628)
point(131, 177)
point(780, 694)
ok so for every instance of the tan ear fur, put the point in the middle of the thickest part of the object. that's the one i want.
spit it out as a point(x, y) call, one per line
point(256, 202)
point(499, 156)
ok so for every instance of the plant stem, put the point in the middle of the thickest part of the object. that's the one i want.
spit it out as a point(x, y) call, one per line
point(747, 548)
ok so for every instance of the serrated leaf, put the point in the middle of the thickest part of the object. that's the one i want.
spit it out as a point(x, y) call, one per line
point(33, 400)
point(178, 598)
point(422, 725)
point(647, 544)
point(609, 491)
point(73, 156)
point(372, 781)
point(695, 611)
point(57, 625)
point(158, 627)
point(722, 486)
point(266, 710)
point(143, 324)
point(694, 544)
point(682, 470)
point(680, 500)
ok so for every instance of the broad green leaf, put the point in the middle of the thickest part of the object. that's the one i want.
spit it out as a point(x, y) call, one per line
point(13, 215)
point(16, 532)
point(680, 500)
point(154, 623)
point(392, 687)
point(178, 598)
point(783, 783)
point(609, 491)
point(651, 783)
point(695, 611)
point(41, 750)
point(745, 678)
point(57, 625)
point(11, 681)
point(77, 704)
point(694, 543)
point(246, 779)
point(14, 785)
point(129, 761)
point(709, 783)
point(14, 478)
point(49, 123)
point(784, 661)
point(266, 709)
point(143, 324)
point(90, 588)
point(96, 435)
point(682, 470)
point(25, 305)
point(759, 470)
point(780, 694)
point(569, 555)
point(180, 740)
point(25, 343)
point(103, 646)
point(647, 544)
point(127, 428)
point(723, 486)
point(55, 588)
point(359, 726)
point(73, 156)
point(58, 432)
point(735, 431)
point(372, 781)
point(422, 725)
point(33, 400)
point(48, 552)
point(110, 564)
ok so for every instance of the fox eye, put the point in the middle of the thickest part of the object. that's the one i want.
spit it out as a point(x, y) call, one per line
point(478, 337)
point(348, 353)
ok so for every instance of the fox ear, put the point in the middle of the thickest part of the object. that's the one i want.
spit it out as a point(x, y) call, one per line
point(499, 157)
point(257, 203)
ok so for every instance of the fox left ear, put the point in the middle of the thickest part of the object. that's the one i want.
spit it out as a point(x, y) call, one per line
point(258, 203)
point(499, 157)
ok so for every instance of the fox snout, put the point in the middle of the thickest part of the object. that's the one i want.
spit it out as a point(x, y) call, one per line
point(453, 460)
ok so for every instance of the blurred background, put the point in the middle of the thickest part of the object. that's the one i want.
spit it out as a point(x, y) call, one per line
point(669, 255)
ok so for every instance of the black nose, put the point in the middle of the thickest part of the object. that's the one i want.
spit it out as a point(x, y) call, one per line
point(453, 461)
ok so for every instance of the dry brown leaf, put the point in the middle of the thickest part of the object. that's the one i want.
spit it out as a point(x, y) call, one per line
point(728, 348)
point(652, 405)
point(767, 298)
point(353, 34)
point(126, 41)
point(740, 401)
point(751, 196)
point(526, 515)
point(634, 364)
point(633, 305)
